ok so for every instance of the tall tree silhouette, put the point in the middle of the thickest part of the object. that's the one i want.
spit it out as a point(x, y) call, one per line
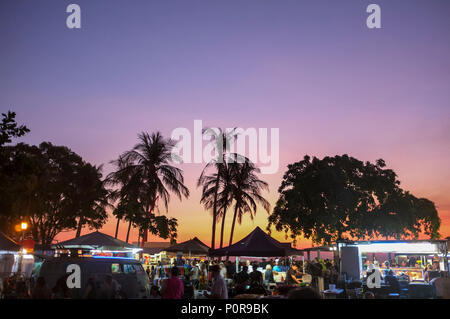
point(91, 197)
point(245, 189)
point(341, 197)
point(53, 189)
point(125, 194)
point(213, 182)
point(148, 165)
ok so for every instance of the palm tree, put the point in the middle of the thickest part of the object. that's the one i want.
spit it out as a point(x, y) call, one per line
point(246, 190)
point(125, 195)
point(149, 165)
point(225, 196)
point(92, 197)
point(213, 183)
point(216, 196)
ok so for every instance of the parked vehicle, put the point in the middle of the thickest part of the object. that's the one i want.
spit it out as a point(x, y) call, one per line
point(129, 273)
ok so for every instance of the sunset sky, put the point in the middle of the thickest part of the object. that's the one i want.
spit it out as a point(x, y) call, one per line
point(310, 68)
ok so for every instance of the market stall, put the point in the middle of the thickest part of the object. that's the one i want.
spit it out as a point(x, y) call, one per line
point(96, 244)
point(409, 257)
point(189, 249)
point(258, 244)
point(407, 261)
point(173, 255)
point(10, 258)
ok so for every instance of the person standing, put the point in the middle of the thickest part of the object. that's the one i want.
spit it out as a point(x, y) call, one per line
point(276, 269)
point(172, 288)
point(292, 276)
point(223, 270)
point(231, 269)
point(60, 290)
point(41, 291)
point(203, 276)
point(219, 288)
point(268, 274)
point(392, 281)
point(256, 276)
point(195, 275)
point(92, 290)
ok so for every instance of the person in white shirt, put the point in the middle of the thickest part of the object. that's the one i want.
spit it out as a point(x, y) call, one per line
point(250, 266)
point(195, 276)
point(223, 270)
point(219, 288)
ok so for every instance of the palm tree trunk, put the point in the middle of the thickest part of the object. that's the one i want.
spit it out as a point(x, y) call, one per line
point(233, 224)
point(223, 227)
point(145, 230)
point(213, 240)
point(139, 237)
point(80, 225)
point(117, 227)
point(128, 231)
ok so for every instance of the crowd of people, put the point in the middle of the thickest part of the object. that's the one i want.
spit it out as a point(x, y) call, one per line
point(222, 279)
point(216, 279)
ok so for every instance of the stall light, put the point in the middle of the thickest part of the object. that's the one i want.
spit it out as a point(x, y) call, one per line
point(136, 250)
point(110, 257)
point(411, 248)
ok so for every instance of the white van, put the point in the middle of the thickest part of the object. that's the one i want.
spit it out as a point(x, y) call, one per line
point(128, 272)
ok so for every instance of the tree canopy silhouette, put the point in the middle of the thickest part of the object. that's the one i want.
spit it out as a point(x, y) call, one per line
point(53, 189)
point(144, 174)
point(341, 197)
point(9, 128)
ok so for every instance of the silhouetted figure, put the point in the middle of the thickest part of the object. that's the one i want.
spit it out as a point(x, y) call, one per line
point(173, 287)
point(92, 290)
point(41, 291)
point(60, 290)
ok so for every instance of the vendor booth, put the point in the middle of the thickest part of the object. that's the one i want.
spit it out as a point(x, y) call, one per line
point(96, 244)
point(405, 258)
point(258, 244)
point(407, 268)
point(10, 258)
point(191, 248)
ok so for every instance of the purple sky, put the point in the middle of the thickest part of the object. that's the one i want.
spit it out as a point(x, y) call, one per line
point(311, 68)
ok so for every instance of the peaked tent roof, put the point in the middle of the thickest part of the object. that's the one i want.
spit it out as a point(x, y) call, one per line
point(256, 244)
point(291, 251)
point(193, 246)
point(96, 240)
point(8, 244)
